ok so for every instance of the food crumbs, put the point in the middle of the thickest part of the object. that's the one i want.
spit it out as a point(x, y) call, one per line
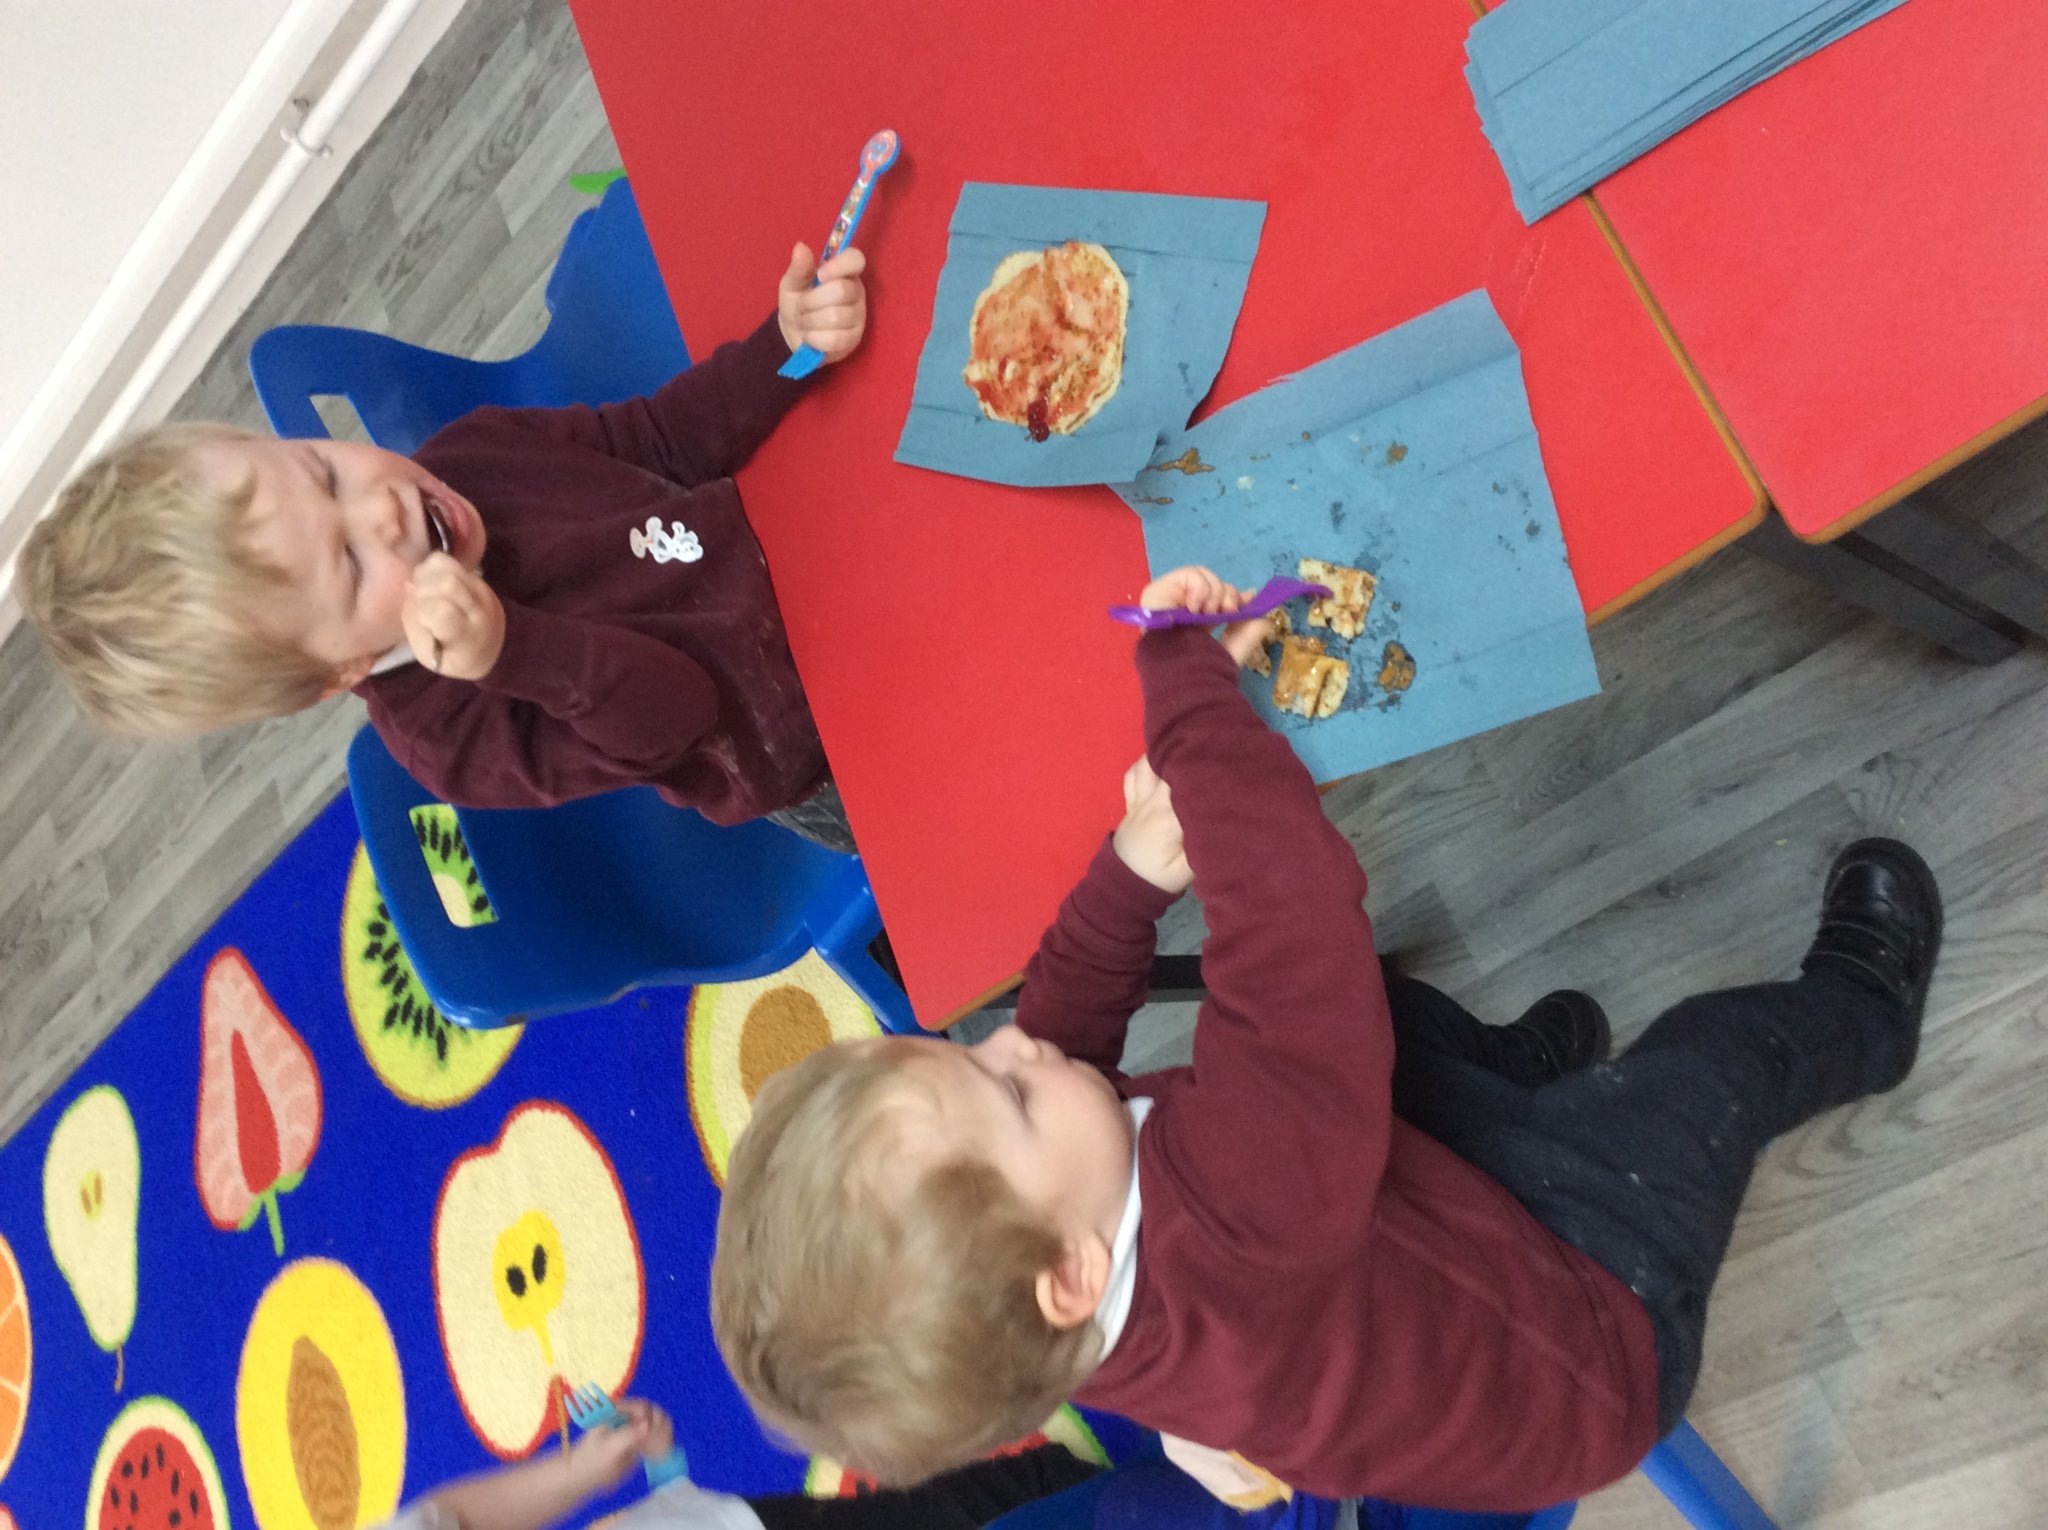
point(1397, 668)
point(1396, 452)
point(1189, 462)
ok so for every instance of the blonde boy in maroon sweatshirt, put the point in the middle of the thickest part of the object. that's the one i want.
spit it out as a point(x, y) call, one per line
point(540, 604)
point(1365, 1243)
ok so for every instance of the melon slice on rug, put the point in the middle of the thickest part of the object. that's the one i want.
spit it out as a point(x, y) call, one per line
point(155, 1472)
point(259, 1100)
point(740, 1033)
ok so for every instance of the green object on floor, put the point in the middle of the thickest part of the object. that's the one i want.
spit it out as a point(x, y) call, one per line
point(594, 184)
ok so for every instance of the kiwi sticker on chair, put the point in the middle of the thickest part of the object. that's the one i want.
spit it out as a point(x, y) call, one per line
point(740, 1033)
point(449, 863)
point(419, 1054)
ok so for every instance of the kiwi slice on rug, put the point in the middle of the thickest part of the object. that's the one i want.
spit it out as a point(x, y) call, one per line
point(420, 1055)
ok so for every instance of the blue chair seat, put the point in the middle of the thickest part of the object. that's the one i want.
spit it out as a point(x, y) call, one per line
point(609, 893)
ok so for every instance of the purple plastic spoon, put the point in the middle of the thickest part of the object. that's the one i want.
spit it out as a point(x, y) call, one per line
point(1272, 595)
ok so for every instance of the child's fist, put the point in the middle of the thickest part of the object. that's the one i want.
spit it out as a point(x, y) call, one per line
point(830, 317)
point(1148, 840)
point(452, 619)
point(1192, 589)
point(603, 1458)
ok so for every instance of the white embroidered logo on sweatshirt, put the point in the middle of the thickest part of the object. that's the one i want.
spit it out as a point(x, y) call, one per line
point(677, 546)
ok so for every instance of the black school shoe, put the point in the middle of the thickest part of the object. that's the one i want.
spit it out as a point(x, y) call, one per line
point(1880, 922)
point(1560, 1033)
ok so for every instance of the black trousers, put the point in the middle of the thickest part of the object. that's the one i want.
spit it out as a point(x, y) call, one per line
point(965, 1499)
point(821, 819)
point(1641, 1163)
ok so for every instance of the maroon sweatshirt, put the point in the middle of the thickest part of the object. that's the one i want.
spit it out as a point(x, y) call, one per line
point(618, 670)
point(1320, 1287)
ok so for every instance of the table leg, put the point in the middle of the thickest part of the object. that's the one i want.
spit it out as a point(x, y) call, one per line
point(1930, 532)
point(1174, 979)
point(1878, 579)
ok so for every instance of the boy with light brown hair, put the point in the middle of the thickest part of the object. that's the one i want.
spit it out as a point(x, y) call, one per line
point(542, 604)
point(1365, 1244)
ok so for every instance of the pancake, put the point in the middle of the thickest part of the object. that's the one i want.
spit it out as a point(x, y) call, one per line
point(1046, 343)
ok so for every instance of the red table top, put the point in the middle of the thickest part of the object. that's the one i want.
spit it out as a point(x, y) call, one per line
point(1852, 254)
point(980, 752)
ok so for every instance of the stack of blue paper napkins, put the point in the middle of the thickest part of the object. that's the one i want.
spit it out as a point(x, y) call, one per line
point(1569, 91)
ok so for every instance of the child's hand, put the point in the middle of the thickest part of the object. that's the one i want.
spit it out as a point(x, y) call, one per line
point(1243, 639)
point(1148, 840)
point(453, 619)
point(1198, 589)
point(830, 317)
point(604, 1458)
point(1194, 589)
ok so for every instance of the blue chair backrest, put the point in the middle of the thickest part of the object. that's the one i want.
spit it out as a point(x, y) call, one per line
point(609, 893)
point(611, 335)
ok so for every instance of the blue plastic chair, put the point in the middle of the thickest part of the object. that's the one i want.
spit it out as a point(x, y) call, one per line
point(611, 335)
point(1150, 1493)
point(610, 893)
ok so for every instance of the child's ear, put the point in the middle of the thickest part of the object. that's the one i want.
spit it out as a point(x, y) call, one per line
point(1070, 1291)
point(350, 675)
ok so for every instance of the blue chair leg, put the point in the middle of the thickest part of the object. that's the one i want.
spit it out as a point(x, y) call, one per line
point(1686, 1471)
point(844, 945)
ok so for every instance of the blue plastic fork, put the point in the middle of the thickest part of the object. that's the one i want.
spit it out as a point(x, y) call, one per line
point(876, 155)
point(591, 1407)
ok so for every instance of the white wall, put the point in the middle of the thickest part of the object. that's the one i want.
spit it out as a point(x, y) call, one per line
point(135, 138)
point(102, 103)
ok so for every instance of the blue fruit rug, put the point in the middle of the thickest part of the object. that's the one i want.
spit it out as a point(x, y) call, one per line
point(289, 1250)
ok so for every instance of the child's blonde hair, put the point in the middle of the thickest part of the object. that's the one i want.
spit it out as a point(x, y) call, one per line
point(144, 587)
point(883, 1315)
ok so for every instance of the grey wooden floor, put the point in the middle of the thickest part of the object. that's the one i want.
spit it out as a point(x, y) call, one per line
point(1879, 1348)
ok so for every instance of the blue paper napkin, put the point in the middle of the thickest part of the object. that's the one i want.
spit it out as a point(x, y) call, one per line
point(1187, 260)
point(1569, 91)
point(1414, 457)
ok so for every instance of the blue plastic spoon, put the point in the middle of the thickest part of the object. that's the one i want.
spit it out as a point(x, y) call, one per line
point(876, 155)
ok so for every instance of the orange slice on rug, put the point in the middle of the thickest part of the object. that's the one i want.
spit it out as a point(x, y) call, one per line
point(17, 1356)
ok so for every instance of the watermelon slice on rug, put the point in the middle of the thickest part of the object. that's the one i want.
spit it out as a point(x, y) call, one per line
point(259, 1100)
point(155, 1472)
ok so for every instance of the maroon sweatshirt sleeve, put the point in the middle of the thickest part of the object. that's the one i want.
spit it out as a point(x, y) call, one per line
point(1092, 966)
point(701, 424)
point(571, 708)
point(1282, 1133)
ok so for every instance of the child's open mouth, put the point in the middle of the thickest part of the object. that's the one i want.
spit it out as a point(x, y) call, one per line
point(437, 522)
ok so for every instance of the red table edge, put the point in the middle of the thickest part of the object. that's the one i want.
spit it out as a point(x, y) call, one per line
point(1954, 457)
point(1760, 503)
